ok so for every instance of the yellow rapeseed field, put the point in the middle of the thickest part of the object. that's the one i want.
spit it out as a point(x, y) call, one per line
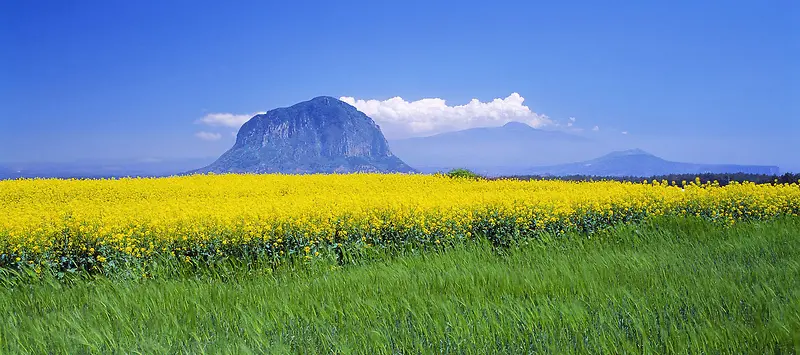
point(92, 224)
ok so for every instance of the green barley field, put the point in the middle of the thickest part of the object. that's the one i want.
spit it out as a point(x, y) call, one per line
point(670, 285)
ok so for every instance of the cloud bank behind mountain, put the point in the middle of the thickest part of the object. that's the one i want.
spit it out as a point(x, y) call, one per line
point(399, 118)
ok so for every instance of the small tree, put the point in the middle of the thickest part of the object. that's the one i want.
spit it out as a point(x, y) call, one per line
point(464, 174)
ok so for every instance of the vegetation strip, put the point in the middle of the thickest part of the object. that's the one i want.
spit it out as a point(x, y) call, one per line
point(673, 285)
point(127, 226)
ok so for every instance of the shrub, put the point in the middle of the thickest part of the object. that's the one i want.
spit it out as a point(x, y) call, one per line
point(464, 174)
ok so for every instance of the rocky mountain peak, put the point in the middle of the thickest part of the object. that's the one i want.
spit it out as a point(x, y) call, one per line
point(321, 135)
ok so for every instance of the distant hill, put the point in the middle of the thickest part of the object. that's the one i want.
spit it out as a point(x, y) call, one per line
point(499, 150)
point(322, 135)
point(6, 173)
point(637, 162)
point(101, 168)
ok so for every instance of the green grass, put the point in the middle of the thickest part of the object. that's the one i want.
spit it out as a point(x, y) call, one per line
point(671, 286)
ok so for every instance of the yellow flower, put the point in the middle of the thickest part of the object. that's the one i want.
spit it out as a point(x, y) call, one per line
point(294, 213)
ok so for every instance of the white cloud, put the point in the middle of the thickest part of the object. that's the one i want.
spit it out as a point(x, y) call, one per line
point(208, 136)
point(596, 128)
point(400, 118)
point(226, 119)
point(624, 132)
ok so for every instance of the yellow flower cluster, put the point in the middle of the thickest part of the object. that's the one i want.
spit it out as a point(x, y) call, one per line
point(92, 223)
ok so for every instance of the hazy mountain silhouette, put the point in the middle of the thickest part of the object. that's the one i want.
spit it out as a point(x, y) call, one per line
point(636, 162)
point(101, 168)
point(511, 147)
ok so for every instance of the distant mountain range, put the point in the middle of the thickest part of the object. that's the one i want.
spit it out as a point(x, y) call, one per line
point(322, 135)
point(512, 146)
point(101, 169)
point(6, 173)
point(519, 149)
point(326, 135)
point(637, 162)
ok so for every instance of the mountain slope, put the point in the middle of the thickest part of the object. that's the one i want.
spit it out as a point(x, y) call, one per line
point(636, 162)
point(511, 147)
point(322, 135)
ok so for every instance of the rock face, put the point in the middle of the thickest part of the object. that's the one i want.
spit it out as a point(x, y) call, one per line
point(323, 135)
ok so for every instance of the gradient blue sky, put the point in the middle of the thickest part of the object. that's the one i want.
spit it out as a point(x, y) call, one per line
point(711, 81)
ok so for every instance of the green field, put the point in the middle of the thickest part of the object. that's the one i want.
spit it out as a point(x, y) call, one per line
point(668, 286)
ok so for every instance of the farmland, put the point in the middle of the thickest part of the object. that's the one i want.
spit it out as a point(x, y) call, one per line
point(390, 263)
point(672, 285)
point(108, 226)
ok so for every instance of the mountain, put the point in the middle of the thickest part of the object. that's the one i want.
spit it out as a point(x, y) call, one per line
point(101, 168)
point(322, 135)
point(6, 173)
point(493, 150)
point(637, 162)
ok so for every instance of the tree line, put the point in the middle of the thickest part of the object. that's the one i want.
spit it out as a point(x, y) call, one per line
point(722, 179)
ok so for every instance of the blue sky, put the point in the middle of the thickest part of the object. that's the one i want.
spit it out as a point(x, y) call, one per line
point(711, 81)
